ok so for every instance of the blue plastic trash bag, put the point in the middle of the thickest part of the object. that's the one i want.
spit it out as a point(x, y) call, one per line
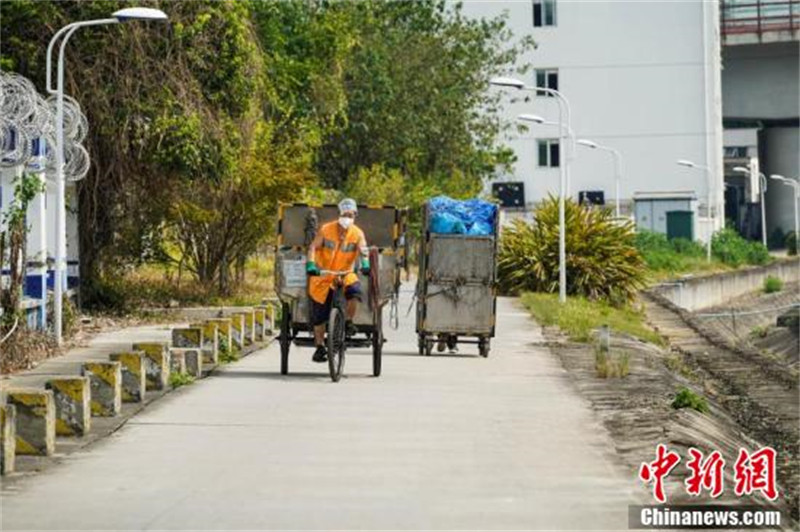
point(480, 228)
point(447, 224)
point(475, 216)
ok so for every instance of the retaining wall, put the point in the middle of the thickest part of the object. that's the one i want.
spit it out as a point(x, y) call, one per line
point(693, 293)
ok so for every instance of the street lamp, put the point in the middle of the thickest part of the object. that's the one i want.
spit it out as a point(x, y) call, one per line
point(563, 116)
point(763, 182)
point(617, 167)
point(795, 184)
point(690, 164)
point(122, 15)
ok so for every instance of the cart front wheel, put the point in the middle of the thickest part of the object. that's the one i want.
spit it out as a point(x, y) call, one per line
point(337, 344)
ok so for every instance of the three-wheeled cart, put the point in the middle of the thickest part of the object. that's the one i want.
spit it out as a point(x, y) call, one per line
point(297, 225)
point(456, 289)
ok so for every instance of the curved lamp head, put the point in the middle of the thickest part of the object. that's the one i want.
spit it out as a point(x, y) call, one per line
point(507, 82)
point(778, 177)
point(139, 13)
point(587, 143)
point(536, 119)
point(741, 169)
point(684, 162)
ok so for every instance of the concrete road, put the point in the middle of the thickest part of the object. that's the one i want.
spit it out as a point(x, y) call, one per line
point(440, 442)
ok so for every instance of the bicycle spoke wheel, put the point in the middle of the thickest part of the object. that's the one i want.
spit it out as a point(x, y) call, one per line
point(336, 344)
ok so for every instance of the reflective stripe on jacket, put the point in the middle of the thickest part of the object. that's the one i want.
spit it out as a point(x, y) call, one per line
point(336, 253)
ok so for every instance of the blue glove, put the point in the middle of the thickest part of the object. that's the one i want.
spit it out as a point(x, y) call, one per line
point(312, 268)
point(365, 267)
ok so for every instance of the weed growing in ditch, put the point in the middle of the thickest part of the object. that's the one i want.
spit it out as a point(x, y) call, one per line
point(686, 398)
point(609, 365)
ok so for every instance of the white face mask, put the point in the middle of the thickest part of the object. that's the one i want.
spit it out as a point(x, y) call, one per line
point(345, 222)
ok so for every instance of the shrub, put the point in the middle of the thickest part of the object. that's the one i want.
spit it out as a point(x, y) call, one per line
point(729, 247)
point(602, 260)
point(686, 398)
point(663, 254)
point(772, 284)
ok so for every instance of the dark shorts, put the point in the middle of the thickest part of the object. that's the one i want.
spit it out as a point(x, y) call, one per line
point(320, 312)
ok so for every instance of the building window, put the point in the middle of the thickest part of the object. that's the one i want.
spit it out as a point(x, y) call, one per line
point(548, 78)
point(548, 153)
point(544, 13)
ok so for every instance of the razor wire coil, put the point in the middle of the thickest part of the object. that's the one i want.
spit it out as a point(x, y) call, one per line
point(27, 117)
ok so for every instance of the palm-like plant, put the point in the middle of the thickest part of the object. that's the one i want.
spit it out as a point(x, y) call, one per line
point(602, 260)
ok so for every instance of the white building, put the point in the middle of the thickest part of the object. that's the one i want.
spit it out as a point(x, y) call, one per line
point(643, 77)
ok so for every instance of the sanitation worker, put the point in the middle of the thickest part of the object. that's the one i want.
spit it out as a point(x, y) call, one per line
point(338, 246)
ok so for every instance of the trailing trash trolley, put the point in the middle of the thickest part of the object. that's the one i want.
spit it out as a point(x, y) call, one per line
point(456, 286)
point(297, 225)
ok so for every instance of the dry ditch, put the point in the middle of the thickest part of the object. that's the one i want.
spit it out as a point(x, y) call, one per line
point(757, 390)
point(637, 412)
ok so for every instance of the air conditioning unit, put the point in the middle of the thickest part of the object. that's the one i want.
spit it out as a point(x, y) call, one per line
point(592, 197)
point(511, 194)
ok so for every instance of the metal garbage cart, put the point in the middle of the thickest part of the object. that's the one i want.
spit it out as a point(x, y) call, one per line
point(297, 225)
point(456, 289)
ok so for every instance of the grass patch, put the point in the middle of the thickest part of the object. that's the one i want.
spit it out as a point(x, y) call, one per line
point(177, 379)
point(772, 285)
point(686, 398)
point(578, 317)
point(228, 353)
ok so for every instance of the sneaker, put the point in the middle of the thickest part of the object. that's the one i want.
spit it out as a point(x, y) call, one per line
point(350, 328)
point(320, 355)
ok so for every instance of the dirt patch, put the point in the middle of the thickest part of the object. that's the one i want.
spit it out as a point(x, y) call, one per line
point(636, 410)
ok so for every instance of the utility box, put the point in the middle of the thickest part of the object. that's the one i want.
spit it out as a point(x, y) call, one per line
point(651, 210)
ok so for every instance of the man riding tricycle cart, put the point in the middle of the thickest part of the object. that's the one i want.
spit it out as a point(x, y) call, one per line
point(336, 268)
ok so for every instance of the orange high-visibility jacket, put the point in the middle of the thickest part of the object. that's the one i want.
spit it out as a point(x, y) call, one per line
point(336, 254)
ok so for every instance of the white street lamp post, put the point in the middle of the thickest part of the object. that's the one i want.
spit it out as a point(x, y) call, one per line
point(795, 184)
point(563, 117)
point(123, 15)
point(617, 168)
point(763, 189)
point(707, 170)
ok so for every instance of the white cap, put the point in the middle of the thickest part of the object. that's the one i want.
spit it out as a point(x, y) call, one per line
point(348, 204)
